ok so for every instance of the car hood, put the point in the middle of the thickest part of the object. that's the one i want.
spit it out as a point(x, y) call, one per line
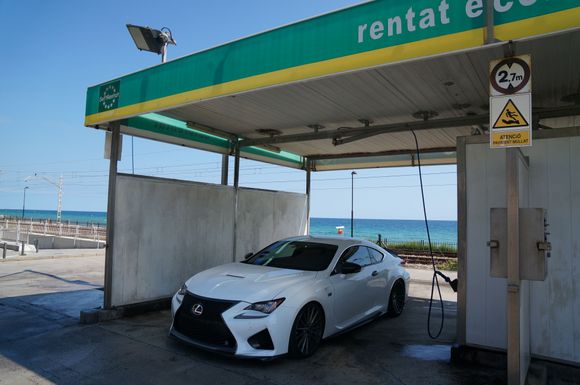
point(244, 282)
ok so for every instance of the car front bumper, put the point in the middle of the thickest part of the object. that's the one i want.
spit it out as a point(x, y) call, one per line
point(278, 324)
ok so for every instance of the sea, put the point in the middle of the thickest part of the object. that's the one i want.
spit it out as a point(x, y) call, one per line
point(393, 230)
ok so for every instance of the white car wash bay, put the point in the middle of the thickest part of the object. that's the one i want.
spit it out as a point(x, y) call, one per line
point(353, 89)
point(392, 69)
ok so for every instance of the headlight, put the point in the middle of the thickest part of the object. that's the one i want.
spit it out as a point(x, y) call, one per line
point(266, 306)
point(261, 309)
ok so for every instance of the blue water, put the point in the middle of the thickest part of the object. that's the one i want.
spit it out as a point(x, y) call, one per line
point(390, 229)
point(81, 217)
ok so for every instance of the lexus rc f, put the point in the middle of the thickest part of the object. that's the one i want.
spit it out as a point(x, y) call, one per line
point(289, 296)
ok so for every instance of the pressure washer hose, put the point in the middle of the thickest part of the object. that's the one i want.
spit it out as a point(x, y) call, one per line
point(434, 280)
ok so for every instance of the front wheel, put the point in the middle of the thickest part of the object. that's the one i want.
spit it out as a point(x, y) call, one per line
point(307, 331)
point(397, 299)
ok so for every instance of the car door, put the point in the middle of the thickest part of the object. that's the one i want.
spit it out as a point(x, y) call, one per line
point(380, 278)
point(352, 299)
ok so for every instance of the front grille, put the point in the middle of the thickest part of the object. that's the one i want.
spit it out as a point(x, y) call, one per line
point(207, 327)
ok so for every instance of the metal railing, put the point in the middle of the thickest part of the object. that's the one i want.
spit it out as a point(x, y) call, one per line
point(24, 228)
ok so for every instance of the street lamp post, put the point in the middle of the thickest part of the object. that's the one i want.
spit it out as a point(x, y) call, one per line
point(24, 201)
point(352, 174)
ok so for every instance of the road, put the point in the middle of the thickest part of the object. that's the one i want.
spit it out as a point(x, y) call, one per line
point(52, 271)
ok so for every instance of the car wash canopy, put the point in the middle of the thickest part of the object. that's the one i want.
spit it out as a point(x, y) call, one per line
point(341, 89)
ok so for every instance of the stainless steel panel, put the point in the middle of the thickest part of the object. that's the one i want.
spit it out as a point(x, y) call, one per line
point(533, 262)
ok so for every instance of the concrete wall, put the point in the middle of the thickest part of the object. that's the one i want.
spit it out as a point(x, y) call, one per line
point(167, 230)
point(265, 216)
point(554, 304)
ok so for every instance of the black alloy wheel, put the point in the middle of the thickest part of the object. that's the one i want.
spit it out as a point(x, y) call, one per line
point(397, 299)
point(307, 331)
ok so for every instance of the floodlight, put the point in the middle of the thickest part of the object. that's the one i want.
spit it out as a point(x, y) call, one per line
point(152, 40)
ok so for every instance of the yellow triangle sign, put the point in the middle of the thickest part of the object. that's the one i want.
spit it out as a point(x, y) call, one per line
point(510, 117)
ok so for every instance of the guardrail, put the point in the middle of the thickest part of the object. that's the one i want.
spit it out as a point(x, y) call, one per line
point(23, 229)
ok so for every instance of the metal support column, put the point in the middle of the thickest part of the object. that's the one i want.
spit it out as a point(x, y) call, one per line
point(461, 240)
point(308, 173)
point(236, 187)
point(236, 165)
point(489, 27)
point(225, 167)
point(115, 139)
point(513, 266)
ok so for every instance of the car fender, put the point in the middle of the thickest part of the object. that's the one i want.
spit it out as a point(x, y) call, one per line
point(400, 273)
point(320, 291)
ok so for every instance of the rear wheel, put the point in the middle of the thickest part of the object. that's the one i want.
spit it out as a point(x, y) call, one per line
point(397, 299)
point(307, 331)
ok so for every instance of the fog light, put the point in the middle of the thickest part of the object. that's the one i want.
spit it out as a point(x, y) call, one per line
point(261, 340)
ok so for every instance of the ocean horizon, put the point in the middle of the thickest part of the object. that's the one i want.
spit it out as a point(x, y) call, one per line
point(443, 231)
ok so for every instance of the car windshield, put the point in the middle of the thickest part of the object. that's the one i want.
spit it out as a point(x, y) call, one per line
point(297, 255)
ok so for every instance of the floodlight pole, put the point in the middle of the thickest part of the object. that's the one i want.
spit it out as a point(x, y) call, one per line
point(152, 40)
point(164, 53)
point(352, 174)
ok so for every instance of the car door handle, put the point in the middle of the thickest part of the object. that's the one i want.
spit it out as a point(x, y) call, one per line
point(375, 273)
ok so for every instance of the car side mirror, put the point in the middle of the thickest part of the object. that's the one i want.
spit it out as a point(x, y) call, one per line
point(350, 268)
point(248, 256)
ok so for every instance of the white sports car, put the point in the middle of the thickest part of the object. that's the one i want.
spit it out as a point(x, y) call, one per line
point(287, 297)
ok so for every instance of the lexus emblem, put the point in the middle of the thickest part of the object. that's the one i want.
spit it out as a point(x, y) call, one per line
point(197, 309)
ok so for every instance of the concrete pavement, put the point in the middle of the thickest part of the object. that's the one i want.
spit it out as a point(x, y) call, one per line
point(51, 271)
point(41, 340)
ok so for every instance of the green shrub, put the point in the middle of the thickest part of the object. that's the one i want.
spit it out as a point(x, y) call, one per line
point(450, 265)
point(422, 246)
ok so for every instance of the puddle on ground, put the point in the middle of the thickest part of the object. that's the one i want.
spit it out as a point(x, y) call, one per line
point(428, 352)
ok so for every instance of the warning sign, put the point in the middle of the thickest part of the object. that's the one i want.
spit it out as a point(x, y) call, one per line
point(515, 138)
point(510, 102)
point(510, 75)
point(510, 117)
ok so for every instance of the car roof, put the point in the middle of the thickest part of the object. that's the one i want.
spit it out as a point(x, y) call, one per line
point(333, 240)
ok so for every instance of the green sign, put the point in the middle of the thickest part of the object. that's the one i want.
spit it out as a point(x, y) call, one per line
point(109, 96)
point(362, 36)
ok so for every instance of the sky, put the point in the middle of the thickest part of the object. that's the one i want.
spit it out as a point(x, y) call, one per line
point(57, 49)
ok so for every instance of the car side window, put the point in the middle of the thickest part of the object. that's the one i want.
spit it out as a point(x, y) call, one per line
point(376, 255)
point(356, 254)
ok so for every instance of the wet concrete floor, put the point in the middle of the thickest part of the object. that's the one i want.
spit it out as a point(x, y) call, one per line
point(42, 342)
point(42, 346)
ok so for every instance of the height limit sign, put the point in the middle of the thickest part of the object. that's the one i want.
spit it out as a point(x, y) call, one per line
point(510, 104)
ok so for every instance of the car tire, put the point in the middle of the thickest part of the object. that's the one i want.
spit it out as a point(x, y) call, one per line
point(397, 299)
point(307, 331)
